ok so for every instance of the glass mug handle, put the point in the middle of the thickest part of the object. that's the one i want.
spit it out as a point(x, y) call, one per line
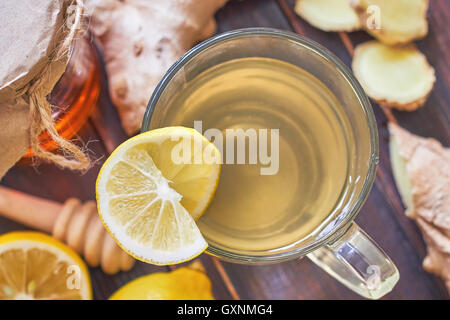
point(356, 261)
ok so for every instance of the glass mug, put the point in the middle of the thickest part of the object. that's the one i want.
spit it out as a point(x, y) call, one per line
point(337, 245)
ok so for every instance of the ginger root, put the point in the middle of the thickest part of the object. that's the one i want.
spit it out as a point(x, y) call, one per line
point(421, 170)
point(329, 15)
point(140, 40)
point(394, 77)
point(393, 22)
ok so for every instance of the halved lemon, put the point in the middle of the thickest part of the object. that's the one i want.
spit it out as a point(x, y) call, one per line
point(152, 187)
point(35, 266)
point(181, 284)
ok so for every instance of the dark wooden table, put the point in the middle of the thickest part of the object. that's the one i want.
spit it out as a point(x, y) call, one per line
point(382, 215)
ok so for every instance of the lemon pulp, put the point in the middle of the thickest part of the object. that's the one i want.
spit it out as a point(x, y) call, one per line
point(34, 266)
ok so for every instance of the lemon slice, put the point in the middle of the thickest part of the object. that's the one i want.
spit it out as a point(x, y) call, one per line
point(35, 266)
point(181, 284)
point(152, 187)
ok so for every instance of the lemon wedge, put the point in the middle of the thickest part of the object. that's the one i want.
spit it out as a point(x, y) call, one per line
point(152, 187)
point(35, 266)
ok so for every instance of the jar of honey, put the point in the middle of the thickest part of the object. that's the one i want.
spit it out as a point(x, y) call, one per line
point(49, 82)
point(75, 94)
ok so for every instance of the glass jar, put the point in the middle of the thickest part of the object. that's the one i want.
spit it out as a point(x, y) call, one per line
point(74, 96)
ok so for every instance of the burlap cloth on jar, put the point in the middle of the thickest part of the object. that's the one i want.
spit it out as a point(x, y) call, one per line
point(35, 43)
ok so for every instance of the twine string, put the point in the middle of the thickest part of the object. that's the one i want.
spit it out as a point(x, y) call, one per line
point(72, 156)
point(41, 118)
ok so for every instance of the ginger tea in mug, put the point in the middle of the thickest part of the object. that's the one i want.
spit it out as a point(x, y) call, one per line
point(299, 151)
point(305, 168)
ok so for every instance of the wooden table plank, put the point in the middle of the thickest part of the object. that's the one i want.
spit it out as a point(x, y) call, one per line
point(105, 118)
point(246, 14)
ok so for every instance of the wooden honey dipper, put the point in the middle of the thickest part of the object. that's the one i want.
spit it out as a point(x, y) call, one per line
point(75, 223)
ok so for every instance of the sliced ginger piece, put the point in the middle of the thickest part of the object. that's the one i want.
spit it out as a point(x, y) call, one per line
point(329, 15)
point(394, 77)
point(400, 21)
point(421, 170)
point(140, 40)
